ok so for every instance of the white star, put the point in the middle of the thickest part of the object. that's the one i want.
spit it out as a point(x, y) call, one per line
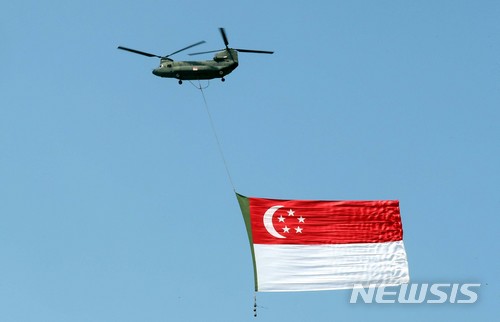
point(291, 212)
point(301, 219)
point(298, 230)
point(281, 219)
point(286, 229)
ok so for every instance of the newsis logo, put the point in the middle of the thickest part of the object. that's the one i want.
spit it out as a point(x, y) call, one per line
point(431, 293)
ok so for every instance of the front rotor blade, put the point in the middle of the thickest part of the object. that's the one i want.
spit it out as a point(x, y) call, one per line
point(224, 36)
point(254, 51)
point(138, 52)
point(190, 46)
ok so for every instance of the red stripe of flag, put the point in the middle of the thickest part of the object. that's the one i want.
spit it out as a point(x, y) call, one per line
point(324, 222)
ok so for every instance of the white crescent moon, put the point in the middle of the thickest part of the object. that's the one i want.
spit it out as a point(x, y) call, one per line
point(268, 221)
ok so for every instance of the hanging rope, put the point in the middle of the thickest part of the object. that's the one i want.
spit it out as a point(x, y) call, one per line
point(201, 88)
point(215, 132)
point(219, 146)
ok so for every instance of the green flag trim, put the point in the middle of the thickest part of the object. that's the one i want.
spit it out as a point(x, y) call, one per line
point(245, 210)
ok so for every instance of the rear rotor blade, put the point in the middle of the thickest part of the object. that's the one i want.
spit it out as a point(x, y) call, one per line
point(190, 46)
point(254, 51)
point(138, 52)
point(226, 42)
point(224, 36)
point(238, 49)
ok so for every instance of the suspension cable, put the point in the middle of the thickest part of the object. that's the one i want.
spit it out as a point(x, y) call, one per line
point(215, 133)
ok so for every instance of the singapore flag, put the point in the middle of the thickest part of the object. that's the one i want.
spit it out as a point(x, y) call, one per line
point(309, 245)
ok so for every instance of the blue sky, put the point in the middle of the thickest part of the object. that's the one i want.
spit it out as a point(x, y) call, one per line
point(115, 204)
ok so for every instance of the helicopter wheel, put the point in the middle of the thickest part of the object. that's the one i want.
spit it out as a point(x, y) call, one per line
point(180, 81)
point(223, 79)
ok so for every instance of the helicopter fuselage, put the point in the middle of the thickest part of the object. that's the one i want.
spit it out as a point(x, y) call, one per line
point(222, 64)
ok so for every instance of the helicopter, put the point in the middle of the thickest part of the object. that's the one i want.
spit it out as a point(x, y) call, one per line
point(224, 62)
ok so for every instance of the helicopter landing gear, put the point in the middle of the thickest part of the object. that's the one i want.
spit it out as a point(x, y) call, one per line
point(223, 79)
point(180, 81)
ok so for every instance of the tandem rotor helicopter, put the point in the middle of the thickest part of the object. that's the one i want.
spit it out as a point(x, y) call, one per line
point(223, 63)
